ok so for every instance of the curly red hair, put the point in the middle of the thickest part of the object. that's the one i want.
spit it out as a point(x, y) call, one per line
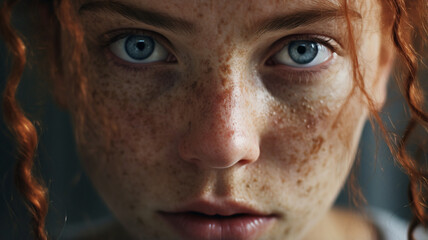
point(407, 29)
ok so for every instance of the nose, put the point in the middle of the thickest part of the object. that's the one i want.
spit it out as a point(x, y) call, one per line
point(222, 132)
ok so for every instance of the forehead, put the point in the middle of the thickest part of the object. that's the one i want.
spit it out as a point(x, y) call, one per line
point(187, 7)
point(214, 16)
point(190, 7)
point(231, 10)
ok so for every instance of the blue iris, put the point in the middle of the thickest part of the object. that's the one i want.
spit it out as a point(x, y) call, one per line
point(139, 47)
point(302, 52)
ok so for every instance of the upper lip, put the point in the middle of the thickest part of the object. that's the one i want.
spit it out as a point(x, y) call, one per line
point(218, 207)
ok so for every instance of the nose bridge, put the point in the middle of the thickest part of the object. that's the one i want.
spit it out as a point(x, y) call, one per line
point(225, 99)
point(227, 91)
point(225, 106)
point(221, 133)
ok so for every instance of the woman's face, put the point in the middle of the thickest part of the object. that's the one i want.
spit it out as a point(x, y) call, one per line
point(231, 119)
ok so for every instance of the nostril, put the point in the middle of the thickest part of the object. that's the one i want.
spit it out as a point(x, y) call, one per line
point(195, 161)
point(244, 162)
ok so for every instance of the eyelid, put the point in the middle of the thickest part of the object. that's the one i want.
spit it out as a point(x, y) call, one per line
point(114, 35)
point(329, 42)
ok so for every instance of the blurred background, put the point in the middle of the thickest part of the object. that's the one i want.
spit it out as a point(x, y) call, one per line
point(74, 201)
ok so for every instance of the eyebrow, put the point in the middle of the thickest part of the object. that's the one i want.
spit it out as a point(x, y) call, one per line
point(149, 17)
point(179, 25)
point(302, 18)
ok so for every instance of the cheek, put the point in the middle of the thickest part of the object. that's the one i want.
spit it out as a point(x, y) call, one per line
point(128, 150)
point(312, 164)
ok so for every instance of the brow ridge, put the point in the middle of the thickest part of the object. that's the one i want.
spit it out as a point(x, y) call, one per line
point(147, 16)
point(302, 18)
point(176, 24)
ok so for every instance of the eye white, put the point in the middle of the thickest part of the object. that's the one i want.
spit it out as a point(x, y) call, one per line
point(139, 49)
point(312, 54)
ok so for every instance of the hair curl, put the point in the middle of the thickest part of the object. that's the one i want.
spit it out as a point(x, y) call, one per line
point(408, 26)
point(407, 30)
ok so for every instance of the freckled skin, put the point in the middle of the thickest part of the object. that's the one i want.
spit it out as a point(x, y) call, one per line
point(220, 124)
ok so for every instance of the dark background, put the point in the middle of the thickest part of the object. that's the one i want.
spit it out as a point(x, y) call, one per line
point(73, 199)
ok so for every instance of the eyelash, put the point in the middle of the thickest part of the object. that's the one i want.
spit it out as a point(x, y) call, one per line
point(324, 40)
point(302, 75)
point(112, 36)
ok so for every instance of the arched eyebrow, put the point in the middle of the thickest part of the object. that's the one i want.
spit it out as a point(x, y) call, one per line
point(179, 25)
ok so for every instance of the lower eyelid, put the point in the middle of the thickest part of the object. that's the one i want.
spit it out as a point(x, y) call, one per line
point(271, 62)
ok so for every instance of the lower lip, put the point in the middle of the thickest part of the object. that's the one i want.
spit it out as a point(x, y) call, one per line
point(204, 227)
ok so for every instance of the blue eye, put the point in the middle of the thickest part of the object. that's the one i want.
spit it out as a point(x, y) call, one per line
point(302, 53)
point(139, 49)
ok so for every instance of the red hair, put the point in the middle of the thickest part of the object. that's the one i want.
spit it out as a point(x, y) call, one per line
point(407, 27)
point(22, 128)
point(407, 30)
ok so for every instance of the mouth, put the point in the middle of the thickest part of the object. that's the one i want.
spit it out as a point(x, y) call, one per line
point(204, 220)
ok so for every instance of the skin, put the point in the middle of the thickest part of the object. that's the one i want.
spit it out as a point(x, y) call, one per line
point(219, 123)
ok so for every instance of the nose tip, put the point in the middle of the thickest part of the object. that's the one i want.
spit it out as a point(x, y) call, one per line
point(219, 147)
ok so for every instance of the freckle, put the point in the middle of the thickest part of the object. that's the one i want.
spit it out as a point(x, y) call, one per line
point(140, 221)
point(286, 231)
point(299, 182)
point(132, 207)
point(304, 161)
point(316, 144)
point(208, 70)
point(229, 56)
point(223, 81)
point(207, 64)
point(125, 173)
point(307, 172)
point(225, 69)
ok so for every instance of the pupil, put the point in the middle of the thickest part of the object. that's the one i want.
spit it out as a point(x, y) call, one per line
point(301, 49)
point(141, 45)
